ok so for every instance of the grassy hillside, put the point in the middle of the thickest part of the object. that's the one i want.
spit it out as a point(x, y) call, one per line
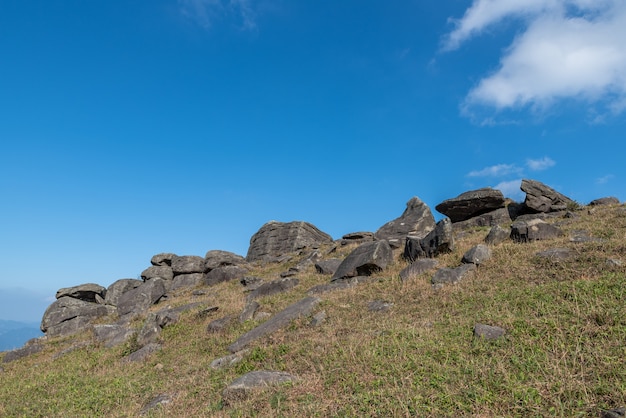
point(564, 353)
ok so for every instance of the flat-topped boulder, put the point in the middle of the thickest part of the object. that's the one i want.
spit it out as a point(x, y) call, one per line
point(276, 239)
point(89, 292)
point(541, 198)
point(605, 201)
point(534, 230)
point(472, 203)
point(365, 260)
point(68, 315)
point(218, 258)
point(417, 220)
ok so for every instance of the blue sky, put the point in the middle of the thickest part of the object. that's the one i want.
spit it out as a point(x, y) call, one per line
point(131, 128)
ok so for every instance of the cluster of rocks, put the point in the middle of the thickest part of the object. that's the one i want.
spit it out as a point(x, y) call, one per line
point(415, 235)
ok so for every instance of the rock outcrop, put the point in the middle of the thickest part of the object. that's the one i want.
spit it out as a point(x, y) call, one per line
point(417, 220)
point(365, 260)
point(541, 198)
point(470, 204)
point(440, 240)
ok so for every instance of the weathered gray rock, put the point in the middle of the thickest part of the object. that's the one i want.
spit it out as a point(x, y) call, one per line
point(229, 360)
point(318, 319)
point(112, 335)
point(365, 260)
point(477, 255)
point(218, 258)
point(357, 238)
point(438, 241)
point(251, 283)
point(141, 297)
point(296, 310)
point(158, 402)
point(162, 259)
point(418, 267)
point(187, 264)
point(614, 262)
point(533, 230)
point(241, 387)
point(225, 274)
point(187, 280)
point(273, 287)
point(33, 346)
point(497, 235)
point(118, 288)
point(488, 332)
point(379, 306)
point(220, 324)
point(541, 198)
point(331, 287)
point(143, 353)
point(556, 254)
point(613, 413)
point(249, 310)
point(605, 201)
point(276, 239)
point(68, 315)
point(149, 332)
point(582, 236)
point(499, 216)
point(417, 220)
point(470, 204)
point(329, 266)
point(451, 275)
point(87, 292)
point(163, 272)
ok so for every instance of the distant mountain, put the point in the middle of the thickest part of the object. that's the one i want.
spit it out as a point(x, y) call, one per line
point(13, 334)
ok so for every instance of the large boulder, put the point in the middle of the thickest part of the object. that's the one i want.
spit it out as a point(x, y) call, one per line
point(162, 259)
point(118, 288)
point(218, 258)
point(68, 315)
point(89, 292)
point(470, 204)
point(604, 201)
point(541, 198)
point(365, 260)
point(533, 230)
point(225, 274)
point(141, 297)
point(439, 240)
point(275, 239)
point(187, 264)
point(416, 220)
point(164, 272)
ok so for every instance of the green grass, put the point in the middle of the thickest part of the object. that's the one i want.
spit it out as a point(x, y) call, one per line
point(563, 355)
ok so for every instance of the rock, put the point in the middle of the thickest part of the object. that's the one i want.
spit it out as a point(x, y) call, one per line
point(118, 288)
point(555, 254)
point(318, 319)
point(187, 280)
point(276, 239)
point(497, 235)
point(533, 230)
point(68, 315)
point(251, 283)
point(227, 361)
point(605, 201)
point(149, 332)
point(141, 297)
point(187, 264)
point(290, 273)
point(357, 238)
point(112, 334)
point(614, 262)
point(541, 198)
point(273, 287)
point(451, 275)
point(219, 325)
point(379, 306)
point(488, 332)
point(160, 401)
point(580, 236)
point(331, 287)
point(163, 259)
point(86, 292)
point(417, 267)
point(470, 204)
point(417, 220)
point(143, 353)
point(153, 272)
point(241, 387)
point(613, 413)
point(225, 274)
point(218, 258)
point(497, 217)
point(296, 310)
point(205, 312)
point(249, 311)
point(365, 260)
point(329, 266)
point(31, 347)
point(477, 255)
point(440, 240)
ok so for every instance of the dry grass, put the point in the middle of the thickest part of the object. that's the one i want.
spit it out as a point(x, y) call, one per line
point(564, 353)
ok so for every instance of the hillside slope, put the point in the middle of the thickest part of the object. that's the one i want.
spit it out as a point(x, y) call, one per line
point(385, 348)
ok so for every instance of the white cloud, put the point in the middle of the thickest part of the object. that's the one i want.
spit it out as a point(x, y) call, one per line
point(567, 49)
point(497, 170)
point(605, 179)
point(510, 189)
point(540, 164)
point(206, 12)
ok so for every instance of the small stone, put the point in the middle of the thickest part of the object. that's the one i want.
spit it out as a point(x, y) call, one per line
point(379, 306)
point(161, 400)
point(488, 332)
point(241, 387)
point(318, 319)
